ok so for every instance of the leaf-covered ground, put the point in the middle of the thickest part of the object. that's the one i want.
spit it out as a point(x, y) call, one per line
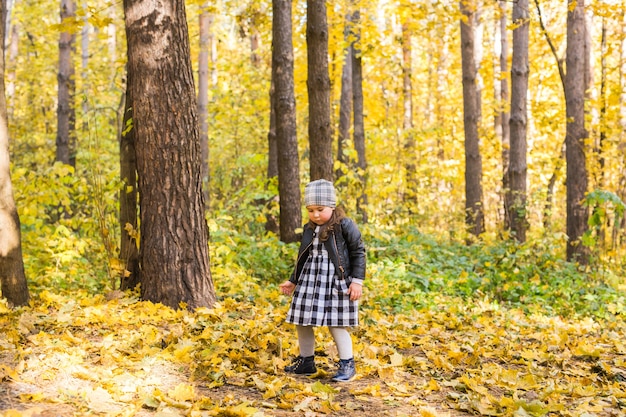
point(81, 355)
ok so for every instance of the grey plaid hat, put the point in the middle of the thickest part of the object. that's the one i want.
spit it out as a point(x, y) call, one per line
point(320, 193)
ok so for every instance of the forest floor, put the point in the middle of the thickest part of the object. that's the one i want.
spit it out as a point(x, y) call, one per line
point(88, 355)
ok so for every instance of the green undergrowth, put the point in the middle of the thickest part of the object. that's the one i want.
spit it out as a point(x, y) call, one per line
point(407, 270)
point(411, 271)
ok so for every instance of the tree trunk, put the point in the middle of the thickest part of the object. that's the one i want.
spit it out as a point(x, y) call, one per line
point(502, 96)
point(203, 95)
point(12, 276)
point(359, 124)
point(272, 159)
point(66, 113)
point(410, 195)
point(84, 66)
point(288, 161)
point(474, 212)
point(13, 49)
point(516, 197)
point(129, 254)
point(111, 34)
point(271, 224)
point(345, 100)
point(622, 112)
point(318, 86)
point(577, 213)
point(603, 105)
point(174, 260)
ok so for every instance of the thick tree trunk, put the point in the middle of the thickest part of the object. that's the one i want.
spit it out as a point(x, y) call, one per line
point(576, 133)
point(174, 258)
point(288, 161)
point(516, 197)
point(66, 113)
point(12, 276)
point(359, 124)
point(318, 86)
point(474, 211)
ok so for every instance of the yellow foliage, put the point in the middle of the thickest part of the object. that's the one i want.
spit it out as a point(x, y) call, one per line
point(182, 392)
point(125, 351)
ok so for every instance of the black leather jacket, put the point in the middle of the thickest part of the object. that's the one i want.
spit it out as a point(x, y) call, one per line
point(345, 248)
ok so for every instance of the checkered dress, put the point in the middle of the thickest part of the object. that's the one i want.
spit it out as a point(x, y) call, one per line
point(320, 297)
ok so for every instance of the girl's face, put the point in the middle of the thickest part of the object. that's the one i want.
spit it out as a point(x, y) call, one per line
point(320, 214)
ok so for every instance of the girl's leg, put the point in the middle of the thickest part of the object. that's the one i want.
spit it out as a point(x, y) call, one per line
point(343, 340)
point(305, 363)
point(306, 340)
point(347, 369)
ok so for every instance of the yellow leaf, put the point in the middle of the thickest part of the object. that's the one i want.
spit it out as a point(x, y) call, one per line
point(430, 412)
point(318, 387)
point(386, 373)
point(33, 397)
point(396, 359)
point(373, 390)
point(183, 392)
point(432, 385)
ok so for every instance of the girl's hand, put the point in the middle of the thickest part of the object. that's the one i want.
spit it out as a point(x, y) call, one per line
point(287, 287)
point(355, 291)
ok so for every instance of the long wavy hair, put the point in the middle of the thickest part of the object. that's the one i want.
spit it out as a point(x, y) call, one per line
point(326, 229)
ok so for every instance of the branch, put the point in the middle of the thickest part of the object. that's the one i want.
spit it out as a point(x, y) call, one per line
point(559, 62)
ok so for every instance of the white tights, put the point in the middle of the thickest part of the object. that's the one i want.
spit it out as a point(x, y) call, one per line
point(341, 336)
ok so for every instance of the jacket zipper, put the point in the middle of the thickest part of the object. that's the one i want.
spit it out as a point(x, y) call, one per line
point(338, 257)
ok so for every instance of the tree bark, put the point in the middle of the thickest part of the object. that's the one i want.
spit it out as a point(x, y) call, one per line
point(318, 86)
point(66, 113)
point(129, 253)
point(622, 112)
point(410, 195)
point(271, 223)
point(12, 275)
point(174, 260)
point(474, 211)
point(272, 146)
point(502, 96)
point(205, 19)
point(345, 100)
point(576, 133)
point(516, 197)
point(359, 124)
point(288, 161)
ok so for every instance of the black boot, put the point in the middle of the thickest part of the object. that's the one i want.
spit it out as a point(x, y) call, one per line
point(346, 372)
point(302, 366)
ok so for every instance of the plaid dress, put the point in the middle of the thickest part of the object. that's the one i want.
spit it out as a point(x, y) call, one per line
point(320, 297)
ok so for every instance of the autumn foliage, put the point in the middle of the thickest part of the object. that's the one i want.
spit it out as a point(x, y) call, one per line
point(495, 328)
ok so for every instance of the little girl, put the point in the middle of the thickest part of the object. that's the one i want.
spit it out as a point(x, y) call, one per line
point(327, 280)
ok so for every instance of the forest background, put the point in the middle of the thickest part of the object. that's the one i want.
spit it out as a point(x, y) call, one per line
point(497, 327)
